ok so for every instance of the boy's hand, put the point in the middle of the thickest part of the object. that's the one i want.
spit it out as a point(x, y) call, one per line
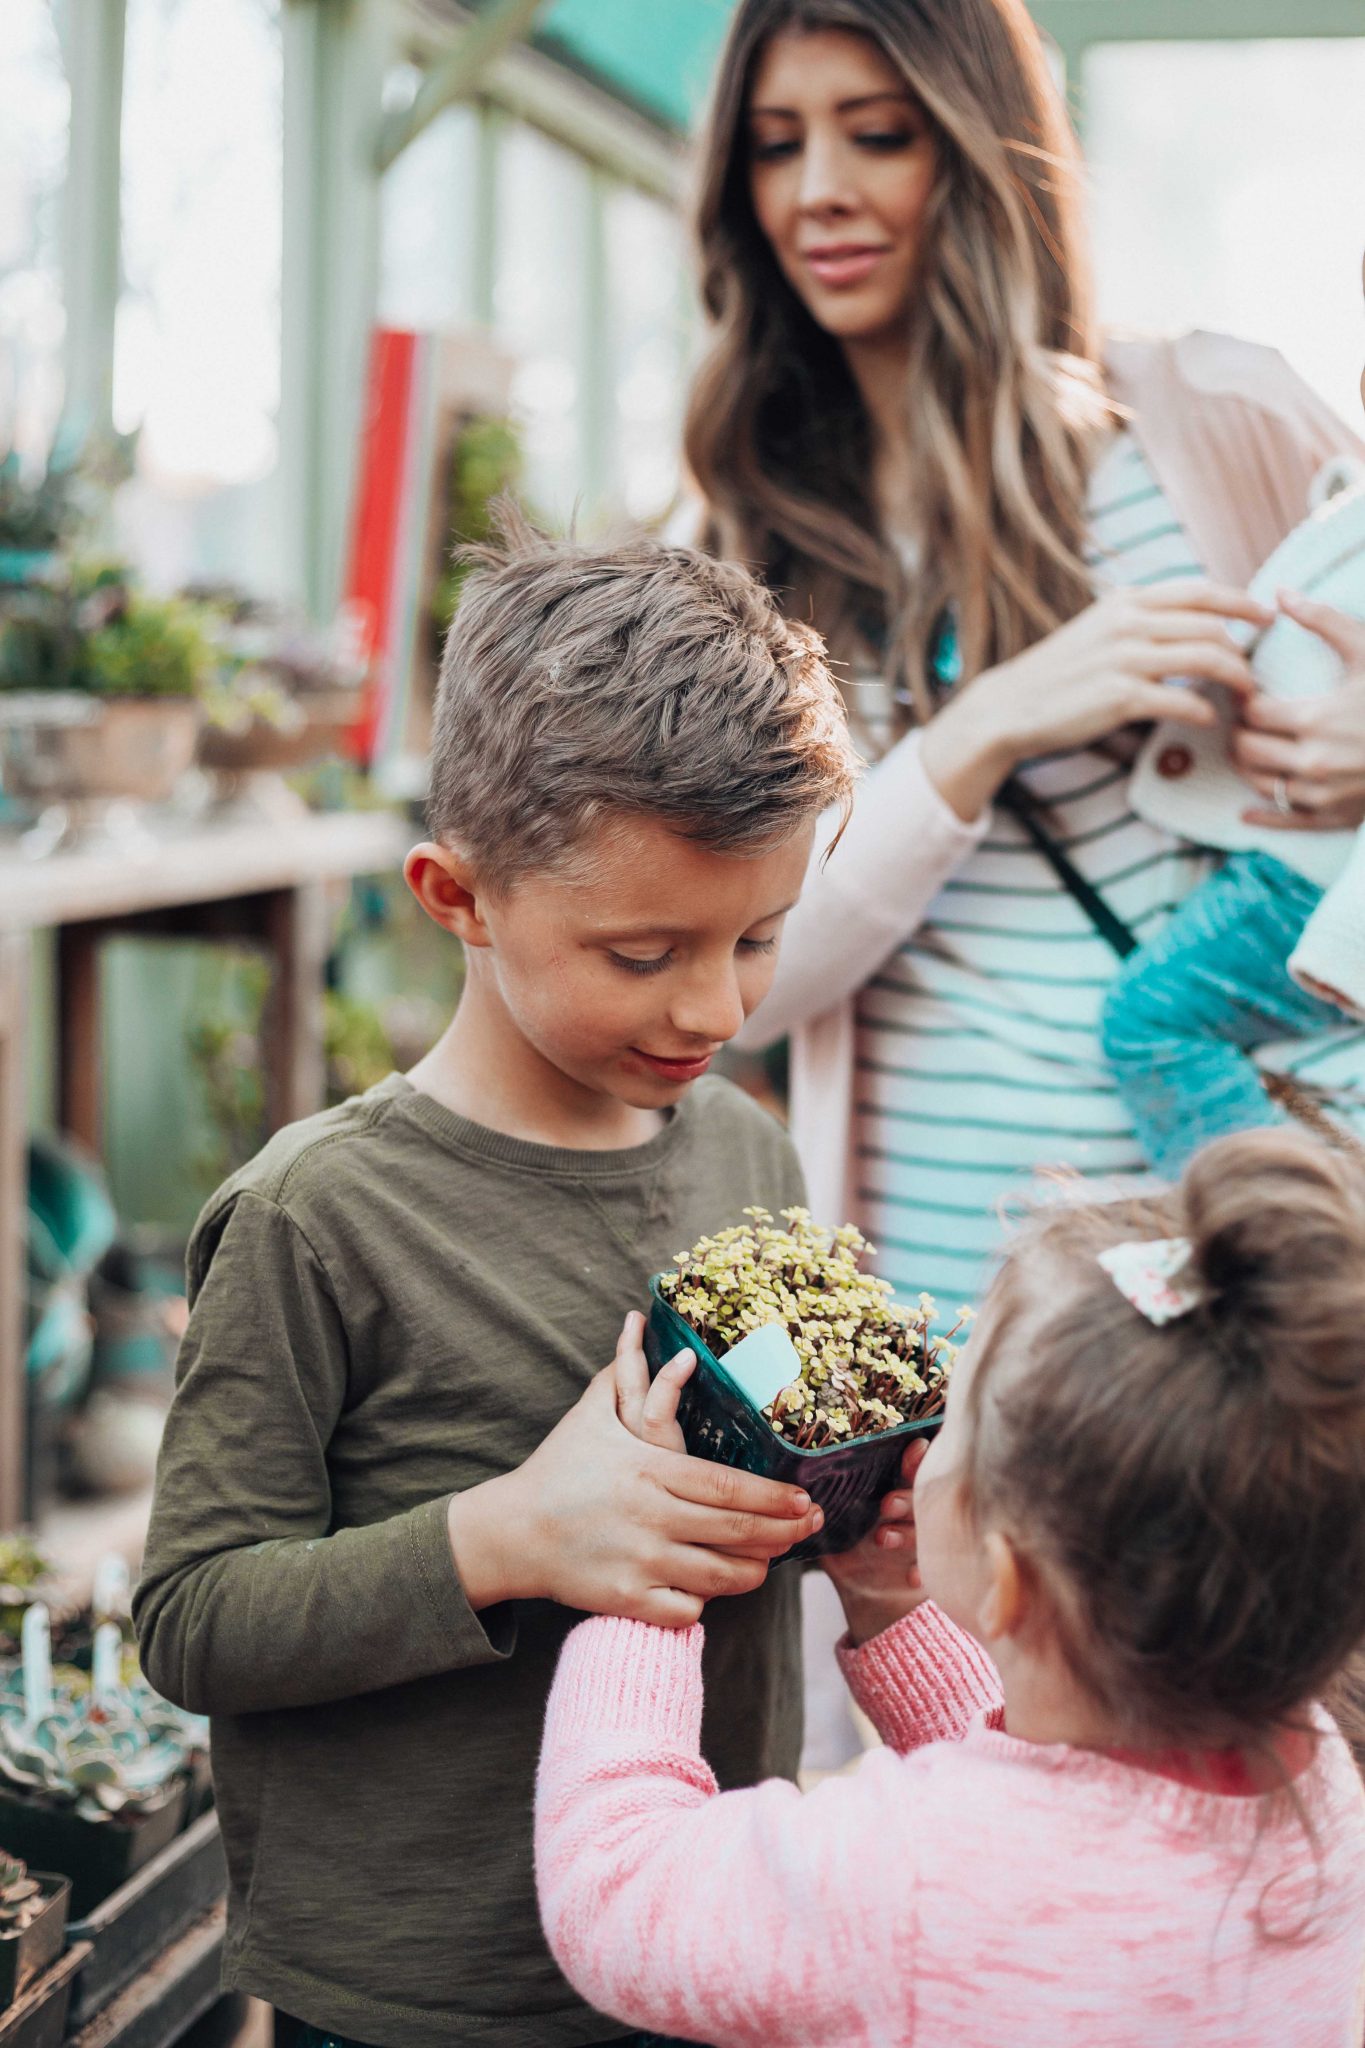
point(649, 1410)
point(598, 1520)
point(878, 1580)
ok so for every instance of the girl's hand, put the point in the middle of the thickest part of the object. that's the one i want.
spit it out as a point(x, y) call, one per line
point(878, 1580)
point(1311, 753)
point(1108, 667)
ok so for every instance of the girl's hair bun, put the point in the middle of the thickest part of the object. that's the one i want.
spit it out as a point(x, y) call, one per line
point(1192, 1493)
point(1276, 1222)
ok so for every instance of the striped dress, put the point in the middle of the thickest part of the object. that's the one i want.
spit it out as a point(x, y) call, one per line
point(978, 1061)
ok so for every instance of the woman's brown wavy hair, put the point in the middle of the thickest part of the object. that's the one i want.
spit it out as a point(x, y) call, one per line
point(1003, 396)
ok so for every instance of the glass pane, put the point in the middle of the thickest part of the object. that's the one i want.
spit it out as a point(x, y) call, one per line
point(35, 115)
point(1229, 188)
point(197, 348)
point(426, 277)
point(646, 294)
point(539, 308)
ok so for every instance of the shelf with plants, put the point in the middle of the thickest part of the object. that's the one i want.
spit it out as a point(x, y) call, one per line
point(110, 693)
point(98, 1773)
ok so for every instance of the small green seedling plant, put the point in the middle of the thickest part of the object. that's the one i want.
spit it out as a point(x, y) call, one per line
point(868, 1363)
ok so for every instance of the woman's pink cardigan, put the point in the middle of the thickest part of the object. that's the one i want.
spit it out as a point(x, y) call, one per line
point(1235, 438)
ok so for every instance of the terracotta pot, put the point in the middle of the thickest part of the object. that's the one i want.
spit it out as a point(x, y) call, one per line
point(135, 748)
point(327, 718)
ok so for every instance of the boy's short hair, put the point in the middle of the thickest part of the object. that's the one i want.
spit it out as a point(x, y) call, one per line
point(583, 681)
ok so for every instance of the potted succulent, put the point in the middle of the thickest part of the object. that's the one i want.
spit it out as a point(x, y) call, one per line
point(94, 1786)
point(103, 682)
point(283, 695)
point(862, 1373)
point(33, 1910)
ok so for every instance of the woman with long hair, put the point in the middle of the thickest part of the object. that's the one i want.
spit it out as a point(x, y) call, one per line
point(1018, 540)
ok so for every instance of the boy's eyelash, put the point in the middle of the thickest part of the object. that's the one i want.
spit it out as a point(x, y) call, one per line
point(655, 966)
point(662, 960)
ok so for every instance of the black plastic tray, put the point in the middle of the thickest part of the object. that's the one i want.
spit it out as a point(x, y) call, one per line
point(38, 2019)
point(133, 1925)
point(846, 1480)
point(25, 1956)
point(97, 1855)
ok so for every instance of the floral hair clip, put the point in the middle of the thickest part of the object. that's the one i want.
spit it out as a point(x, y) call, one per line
point(1154, 1277)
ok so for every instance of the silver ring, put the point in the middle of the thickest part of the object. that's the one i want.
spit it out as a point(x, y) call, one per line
point(1281, 795)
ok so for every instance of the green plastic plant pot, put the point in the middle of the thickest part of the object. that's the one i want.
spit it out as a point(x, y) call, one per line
point(847, 1480)
point(97, 1855)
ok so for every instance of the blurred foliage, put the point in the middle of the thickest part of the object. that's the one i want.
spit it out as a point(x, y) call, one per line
point(223, 1042)
point(487, 459)
point(59, 507)
point(395, 980)
point(89, 628)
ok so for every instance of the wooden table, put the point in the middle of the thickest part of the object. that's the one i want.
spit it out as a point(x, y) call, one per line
point(264, 883)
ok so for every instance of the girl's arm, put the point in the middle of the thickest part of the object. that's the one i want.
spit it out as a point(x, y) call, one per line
point(681, 1909)
point(922, 1680)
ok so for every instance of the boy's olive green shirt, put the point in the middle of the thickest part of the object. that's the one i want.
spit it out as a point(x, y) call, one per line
point(389, 1305)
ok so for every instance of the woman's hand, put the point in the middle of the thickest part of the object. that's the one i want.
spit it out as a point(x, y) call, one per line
point(1311, 755)
point(878, 1580)
point(1108, 667)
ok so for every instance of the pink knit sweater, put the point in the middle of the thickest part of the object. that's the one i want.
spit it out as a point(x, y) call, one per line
point(961, 1889)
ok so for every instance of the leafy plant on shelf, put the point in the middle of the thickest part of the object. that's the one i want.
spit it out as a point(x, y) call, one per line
point(26, 1576)
point(867, 1363)
point(106, 1759)
point(21, 1896)
point(486, 460)
point(91, 629)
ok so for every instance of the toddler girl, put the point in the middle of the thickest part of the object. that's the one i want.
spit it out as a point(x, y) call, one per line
point(1110, 1809)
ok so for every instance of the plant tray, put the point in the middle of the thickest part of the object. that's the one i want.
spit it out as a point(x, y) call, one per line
point(143, 1917)
point(97, 1855)
point(38, 2017)
point(25, 1956)
point(846, 1480)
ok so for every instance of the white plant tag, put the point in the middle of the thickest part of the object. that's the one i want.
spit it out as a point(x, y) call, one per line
point(762, 1363)
point(35, 1648)
point(110, 1597)
point(106, 1677)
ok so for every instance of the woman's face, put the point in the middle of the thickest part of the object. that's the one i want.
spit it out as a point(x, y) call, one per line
point(841, 165)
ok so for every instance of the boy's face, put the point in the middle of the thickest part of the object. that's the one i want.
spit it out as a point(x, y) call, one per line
point(628, 974)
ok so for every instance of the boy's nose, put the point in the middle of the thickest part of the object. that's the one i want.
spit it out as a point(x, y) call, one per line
point(710, 1010)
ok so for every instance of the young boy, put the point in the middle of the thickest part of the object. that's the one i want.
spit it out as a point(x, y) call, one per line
point(393, 1474)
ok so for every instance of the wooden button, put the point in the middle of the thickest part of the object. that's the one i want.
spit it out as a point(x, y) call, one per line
point(1173, 762)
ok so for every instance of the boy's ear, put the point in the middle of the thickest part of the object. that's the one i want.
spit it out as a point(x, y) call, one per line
point(1006, 1599)
point(443, 883)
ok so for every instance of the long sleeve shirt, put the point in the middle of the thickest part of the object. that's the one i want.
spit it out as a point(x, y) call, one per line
point(961, 1889)
point(390, 1305)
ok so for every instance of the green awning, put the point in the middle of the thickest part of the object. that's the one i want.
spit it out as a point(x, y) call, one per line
point(657, 54)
